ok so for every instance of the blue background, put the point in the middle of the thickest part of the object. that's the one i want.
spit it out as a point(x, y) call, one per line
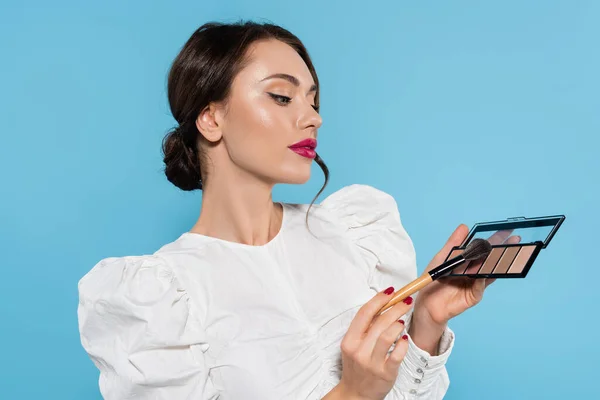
point(464, 111)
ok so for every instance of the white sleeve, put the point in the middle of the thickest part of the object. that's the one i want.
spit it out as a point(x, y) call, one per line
point(422, 375)
point(135, 324)
point(373, 223)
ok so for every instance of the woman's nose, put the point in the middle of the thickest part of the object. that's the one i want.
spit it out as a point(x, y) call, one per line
point(310, 119)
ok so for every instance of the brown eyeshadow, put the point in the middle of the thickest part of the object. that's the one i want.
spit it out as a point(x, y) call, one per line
point(462, 268)
point(473, 267)
point(519, 264)
point(506, 260)
point(492, 260)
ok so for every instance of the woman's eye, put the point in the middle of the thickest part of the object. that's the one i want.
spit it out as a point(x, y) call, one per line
point(283, 100)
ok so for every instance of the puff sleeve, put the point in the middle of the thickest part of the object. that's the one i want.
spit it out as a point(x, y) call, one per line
point(372, 222)
point(135, 324)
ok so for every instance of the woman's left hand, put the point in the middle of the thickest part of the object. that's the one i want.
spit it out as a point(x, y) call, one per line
point(448, 297)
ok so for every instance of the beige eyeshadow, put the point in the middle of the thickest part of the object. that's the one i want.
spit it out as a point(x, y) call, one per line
point(506, 260)
point(492, 260)
point(519, 264)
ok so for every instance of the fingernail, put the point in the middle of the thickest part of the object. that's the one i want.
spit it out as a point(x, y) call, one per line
point(401, 321)
point(408, 300)
point(389, 290)
point(404, 337)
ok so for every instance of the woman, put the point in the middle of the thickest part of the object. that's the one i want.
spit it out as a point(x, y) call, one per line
point(258, 301)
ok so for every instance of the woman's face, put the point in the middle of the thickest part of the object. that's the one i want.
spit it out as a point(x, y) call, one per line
point(271, 107)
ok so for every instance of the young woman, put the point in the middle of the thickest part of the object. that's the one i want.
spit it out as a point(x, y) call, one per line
point(266, 300)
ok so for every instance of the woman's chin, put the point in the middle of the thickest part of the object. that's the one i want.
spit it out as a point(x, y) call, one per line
point(296, 178)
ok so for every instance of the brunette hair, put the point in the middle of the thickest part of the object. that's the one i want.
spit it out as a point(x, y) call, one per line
point(202, 73)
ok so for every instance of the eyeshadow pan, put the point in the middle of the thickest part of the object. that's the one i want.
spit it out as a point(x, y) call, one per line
point(460, 270)
point(492, 260)
point(506, 260)
point(519, 264)
point(475, 266)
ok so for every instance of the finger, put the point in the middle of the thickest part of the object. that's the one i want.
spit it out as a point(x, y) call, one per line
point(385, 341)
point(477, 290)
point(456, 239)
point(513, 239)
point(365, 314)
point(500, 236)
point(396, 356)
point(489, 281)
point(381, 324)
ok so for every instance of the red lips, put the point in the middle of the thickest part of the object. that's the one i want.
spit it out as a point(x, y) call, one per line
point(308, 143)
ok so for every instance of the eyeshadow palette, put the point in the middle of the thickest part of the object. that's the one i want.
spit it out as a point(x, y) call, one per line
point(516, 243)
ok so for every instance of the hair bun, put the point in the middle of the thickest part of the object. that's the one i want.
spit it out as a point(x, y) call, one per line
point(182, 165)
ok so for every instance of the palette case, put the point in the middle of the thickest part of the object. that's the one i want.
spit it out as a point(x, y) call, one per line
point(508, 259)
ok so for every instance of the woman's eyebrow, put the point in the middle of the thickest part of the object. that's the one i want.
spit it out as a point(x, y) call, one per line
point(290, 78)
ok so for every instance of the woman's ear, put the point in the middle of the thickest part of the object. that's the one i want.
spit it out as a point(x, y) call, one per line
point(210, 123)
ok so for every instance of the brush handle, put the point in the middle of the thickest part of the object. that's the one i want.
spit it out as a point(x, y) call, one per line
point(407, 290)
point(446, 267)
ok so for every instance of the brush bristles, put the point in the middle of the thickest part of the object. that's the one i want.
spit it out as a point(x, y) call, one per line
point(477, 249)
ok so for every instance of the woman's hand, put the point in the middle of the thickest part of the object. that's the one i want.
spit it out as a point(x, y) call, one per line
point(368, 371)
point(448, 297)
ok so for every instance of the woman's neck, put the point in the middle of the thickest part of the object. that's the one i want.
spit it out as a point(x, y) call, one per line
point(241, 213)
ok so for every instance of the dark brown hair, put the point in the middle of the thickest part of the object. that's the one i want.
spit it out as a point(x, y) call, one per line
point(202, 73)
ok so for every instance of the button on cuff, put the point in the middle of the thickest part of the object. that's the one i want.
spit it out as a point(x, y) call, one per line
point(421, 371)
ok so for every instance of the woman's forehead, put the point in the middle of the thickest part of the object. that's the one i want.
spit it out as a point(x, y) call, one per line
point(268, 57)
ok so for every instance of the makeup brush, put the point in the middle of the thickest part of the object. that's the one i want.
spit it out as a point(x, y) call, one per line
point(478, 248)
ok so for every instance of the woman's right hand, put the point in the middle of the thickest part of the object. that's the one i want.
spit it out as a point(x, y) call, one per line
point(368, 372)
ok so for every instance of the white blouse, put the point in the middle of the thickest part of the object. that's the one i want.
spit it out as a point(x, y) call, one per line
point(204, 318)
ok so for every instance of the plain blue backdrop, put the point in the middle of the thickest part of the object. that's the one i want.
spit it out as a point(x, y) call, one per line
point(464, 111)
